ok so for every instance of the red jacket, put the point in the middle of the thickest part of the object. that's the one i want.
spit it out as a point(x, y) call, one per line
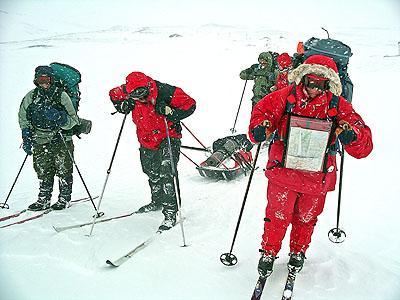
point(150, 126)
point(282, 80)
point(272, 108)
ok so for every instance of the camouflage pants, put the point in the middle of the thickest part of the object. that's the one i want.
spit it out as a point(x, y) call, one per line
point(156, 164)
point(51, 160)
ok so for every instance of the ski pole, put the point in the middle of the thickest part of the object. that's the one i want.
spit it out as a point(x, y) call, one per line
point(108, 171)
point(98, 214)
point(229, 259)
point(233, 130)
point(176, 181)
point(337, 235)
point(5, 205)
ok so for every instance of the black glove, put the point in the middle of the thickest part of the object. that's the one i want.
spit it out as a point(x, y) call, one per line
point(27, 141)
point(59, 117)
point(166, 110)
point(125, 106)
point(347, 136)
point(259, 134)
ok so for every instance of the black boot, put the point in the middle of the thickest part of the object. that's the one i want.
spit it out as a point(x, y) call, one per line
point(44, 196)
point(65, 187)
point(152, 206)
point(296, 261)
point(265, 264)
point(156, 195)
point(169, 220)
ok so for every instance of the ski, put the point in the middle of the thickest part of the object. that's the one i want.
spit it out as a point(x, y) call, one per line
point(124, 258)
point(288, 291)
point(259, 288)
point(116, 263)
point(17, 214)
point(63, 228)
point(41, 214)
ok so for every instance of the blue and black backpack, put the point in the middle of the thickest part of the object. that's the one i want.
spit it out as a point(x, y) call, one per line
point(340, 53)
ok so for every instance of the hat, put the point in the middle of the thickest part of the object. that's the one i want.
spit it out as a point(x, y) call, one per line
point(135, 80)
point(267, 56)
point(321, 67)
point(44, 71)
point(284, 60)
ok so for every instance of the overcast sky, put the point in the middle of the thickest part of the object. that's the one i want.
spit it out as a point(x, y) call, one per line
point(269, 13)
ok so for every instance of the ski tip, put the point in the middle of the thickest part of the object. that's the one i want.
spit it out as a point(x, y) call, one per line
point(56, 229)
point(110, 263)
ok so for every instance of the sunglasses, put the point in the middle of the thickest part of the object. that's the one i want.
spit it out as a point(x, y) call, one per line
point(43, 79)
point(140, 92)
point(313, 83)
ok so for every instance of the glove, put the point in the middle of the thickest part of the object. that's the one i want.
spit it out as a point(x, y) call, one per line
point(125, 106)
point(163, 109)
point(27, 141)
point(345, 133)
point(168, 110)
point(59, 117)
point(260, 132)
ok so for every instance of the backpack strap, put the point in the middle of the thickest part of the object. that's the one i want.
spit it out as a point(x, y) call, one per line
point(333, 108)
point(291, 100)
point(333, 143)
point(165, 92)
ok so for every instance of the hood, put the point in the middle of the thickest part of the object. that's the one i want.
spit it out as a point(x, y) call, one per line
point(135, 80)
point(321, 66)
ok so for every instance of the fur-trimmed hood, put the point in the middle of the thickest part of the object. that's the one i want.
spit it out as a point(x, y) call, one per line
point(319, 65)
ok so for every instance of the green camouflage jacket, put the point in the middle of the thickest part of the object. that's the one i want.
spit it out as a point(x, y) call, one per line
point(43, 136)
point(264, 78)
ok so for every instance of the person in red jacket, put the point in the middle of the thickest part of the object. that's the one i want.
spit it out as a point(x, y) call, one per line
point(150, 102)
point(307, 118)
point(284, 62)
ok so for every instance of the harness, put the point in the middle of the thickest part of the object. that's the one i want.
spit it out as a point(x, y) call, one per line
point(41, 102)
point(333, 144)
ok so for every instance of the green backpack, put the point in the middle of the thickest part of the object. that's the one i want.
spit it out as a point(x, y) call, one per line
point(68, 78)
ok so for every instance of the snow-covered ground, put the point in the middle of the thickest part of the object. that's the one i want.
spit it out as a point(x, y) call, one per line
point(38, 263)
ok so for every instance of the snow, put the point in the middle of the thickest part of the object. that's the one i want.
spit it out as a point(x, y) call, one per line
point(195, 53)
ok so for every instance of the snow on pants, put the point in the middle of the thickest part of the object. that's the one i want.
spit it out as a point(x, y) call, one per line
point(52, 159)
point(156, 164)
point(289, 207)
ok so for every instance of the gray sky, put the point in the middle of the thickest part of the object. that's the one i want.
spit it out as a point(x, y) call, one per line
point(270, 13)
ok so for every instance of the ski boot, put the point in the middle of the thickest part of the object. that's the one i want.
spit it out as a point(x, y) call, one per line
point(152, 206)
point(65, 186)
point(44, 196)
point(39, 205)
point(296, 261)
point(265, 264)
point(169, 220)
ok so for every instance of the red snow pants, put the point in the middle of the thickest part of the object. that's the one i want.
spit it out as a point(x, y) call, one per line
point(289, 207)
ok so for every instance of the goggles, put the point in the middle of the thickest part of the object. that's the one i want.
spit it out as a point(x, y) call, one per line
point(316, 83)
point(43, 79)
point(140, 92)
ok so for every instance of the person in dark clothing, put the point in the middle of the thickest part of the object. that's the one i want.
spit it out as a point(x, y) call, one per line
point(45, 116)
point(151, 104)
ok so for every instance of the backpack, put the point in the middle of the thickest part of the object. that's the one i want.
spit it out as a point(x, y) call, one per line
point(340, 53)
point(68, 78)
